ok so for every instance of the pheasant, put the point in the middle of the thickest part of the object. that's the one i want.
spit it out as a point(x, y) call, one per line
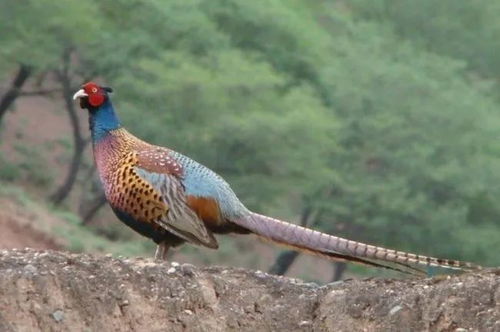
point(172, 199)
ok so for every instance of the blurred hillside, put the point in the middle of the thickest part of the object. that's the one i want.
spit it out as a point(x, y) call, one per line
point(373, 120)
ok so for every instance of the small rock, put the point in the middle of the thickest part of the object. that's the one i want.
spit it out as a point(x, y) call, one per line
point(30, 269)
point(187, 270)
point(305, 323)
point(310, 284)
point(260, 274)
point(171, 270)
point(336, 283)
point(174, 264)
point(58, 315)
point(395, 309)
point(188, 312)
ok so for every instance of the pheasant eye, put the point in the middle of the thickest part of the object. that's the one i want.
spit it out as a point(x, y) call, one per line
point(94, 90)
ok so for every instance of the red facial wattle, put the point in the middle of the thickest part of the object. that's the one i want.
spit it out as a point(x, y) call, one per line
point(96, 99)
point(95, 94)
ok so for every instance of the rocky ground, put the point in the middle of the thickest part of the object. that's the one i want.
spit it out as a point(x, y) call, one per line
point(57, 291)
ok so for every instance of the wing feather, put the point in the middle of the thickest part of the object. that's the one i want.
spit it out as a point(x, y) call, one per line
point(159, 170)
point(180, 218)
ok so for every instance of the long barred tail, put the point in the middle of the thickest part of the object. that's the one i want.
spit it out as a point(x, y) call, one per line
point(338, 248)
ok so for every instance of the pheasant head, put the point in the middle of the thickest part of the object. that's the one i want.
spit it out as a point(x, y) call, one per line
point(102, 116)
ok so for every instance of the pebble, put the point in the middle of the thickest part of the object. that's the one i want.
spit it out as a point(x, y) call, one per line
point(58, 315)
point(395, 309)
point(260, 274)
point(336, 283)
point(30, 269)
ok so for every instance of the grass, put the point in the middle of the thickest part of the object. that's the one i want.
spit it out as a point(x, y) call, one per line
point(8, 171)
point(33, 166)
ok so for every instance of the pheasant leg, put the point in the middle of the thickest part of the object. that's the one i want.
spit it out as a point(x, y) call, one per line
point(161, 251)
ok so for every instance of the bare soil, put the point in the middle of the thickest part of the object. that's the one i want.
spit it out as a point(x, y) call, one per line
point(15, 236)
point(21, 228)
point(57, 291)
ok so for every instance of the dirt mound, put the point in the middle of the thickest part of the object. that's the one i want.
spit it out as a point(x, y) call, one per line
point(14, 235)
point(56, 291)
point(19, 228)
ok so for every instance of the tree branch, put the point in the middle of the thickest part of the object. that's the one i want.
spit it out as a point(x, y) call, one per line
point(79, 143)
point(42, 92)
point(14, 91)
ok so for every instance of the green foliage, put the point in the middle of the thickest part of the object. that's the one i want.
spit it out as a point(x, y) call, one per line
point(16, 194)
point(8, 170)
point(35, 32)
point(31, 166)
point(414, 135)
point(27, 165)
point(459, 29)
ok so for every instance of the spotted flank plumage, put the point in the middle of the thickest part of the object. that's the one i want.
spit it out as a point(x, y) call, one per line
point(132, 194)
point(172, 199)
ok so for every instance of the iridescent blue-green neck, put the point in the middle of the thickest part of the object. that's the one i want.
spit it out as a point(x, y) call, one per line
point(102, 120)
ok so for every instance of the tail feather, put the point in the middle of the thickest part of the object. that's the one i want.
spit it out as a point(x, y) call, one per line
point(338, 248)
point(346, 258)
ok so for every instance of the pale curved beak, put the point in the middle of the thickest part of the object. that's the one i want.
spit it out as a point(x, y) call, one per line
point(79, 94)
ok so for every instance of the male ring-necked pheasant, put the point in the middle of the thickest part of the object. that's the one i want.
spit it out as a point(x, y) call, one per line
point(172, 199)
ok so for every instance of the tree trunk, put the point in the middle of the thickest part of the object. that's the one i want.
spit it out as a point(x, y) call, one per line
point(79, 142)
point(15, 89)
point(340, 268)
point(283, 262)
point(93, 207)
point(286, 258)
